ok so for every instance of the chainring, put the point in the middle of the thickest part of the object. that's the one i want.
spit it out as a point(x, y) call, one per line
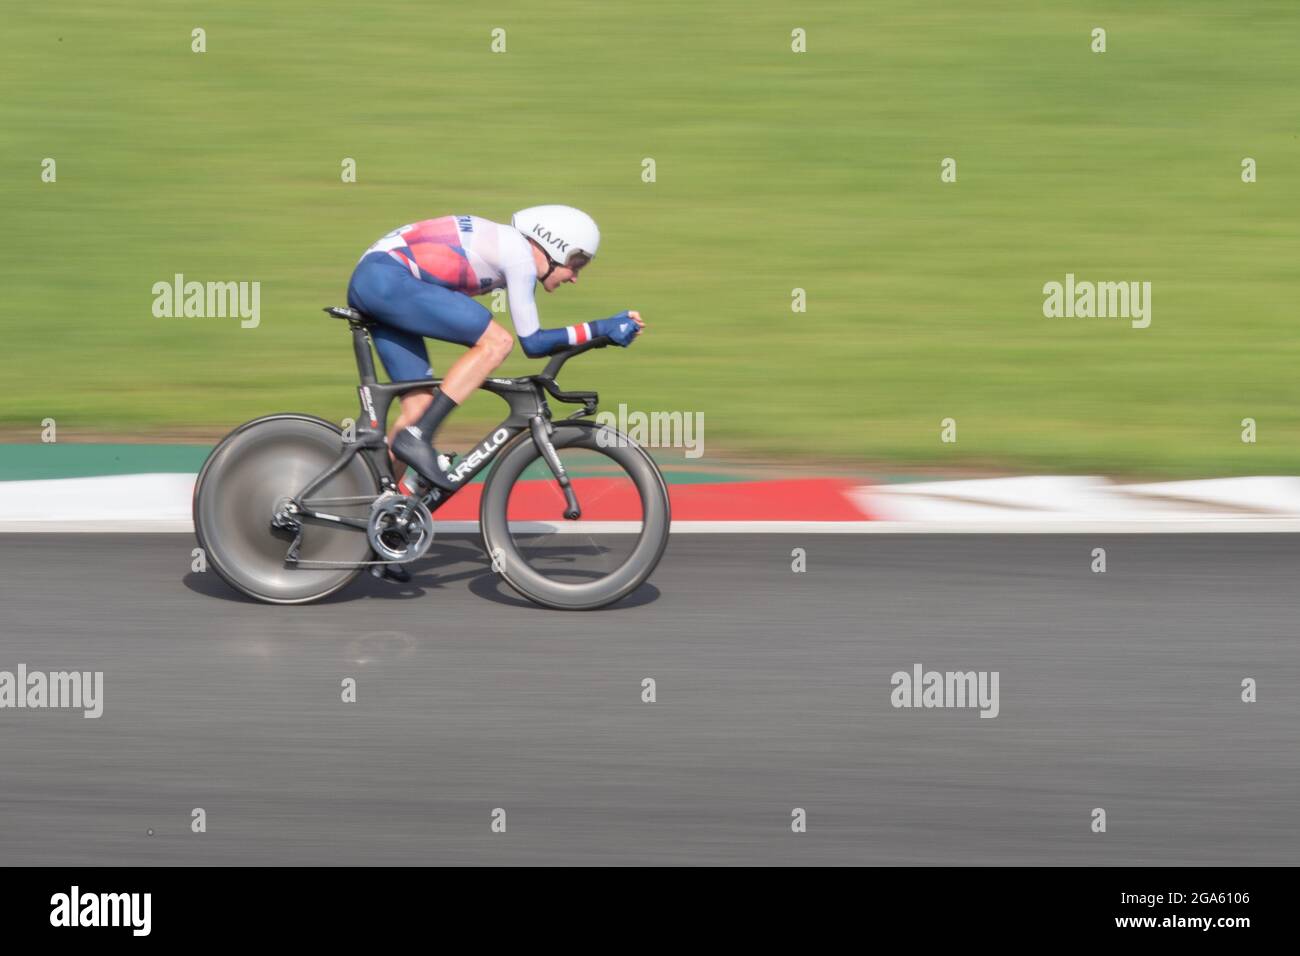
point(400, 528)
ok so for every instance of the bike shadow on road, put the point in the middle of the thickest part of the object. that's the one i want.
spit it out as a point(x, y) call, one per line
point(448, 563)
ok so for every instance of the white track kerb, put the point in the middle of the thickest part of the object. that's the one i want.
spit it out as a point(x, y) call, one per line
point(1029, 505)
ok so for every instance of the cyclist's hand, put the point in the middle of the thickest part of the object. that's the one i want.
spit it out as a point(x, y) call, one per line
point(621, 328)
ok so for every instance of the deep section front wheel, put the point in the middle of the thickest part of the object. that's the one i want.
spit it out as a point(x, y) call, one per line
point(587, 563)
point(250, 475)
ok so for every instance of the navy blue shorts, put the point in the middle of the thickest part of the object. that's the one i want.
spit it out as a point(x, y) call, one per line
point(407, 310)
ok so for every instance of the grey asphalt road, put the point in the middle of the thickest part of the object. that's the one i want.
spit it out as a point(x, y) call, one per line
point(1119, 690)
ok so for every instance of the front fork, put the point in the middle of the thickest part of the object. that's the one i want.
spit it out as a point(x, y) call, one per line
point(542, 430)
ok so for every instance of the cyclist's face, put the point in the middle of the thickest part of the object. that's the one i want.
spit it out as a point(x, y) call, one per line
point(563, 274)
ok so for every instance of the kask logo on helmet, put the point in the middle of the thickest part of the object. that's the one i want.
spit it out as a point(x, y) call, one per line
point(551, 240)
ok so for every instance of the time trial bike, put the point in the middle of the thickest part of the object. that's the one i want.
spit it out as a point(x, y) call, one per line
point(574, 515)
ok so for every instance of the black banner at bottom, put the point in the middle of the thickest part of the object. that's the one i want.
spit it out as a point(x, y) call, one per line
point(96, 905)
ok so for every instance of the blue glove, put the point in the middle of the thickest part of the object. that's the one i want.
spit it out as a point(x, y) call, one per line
point(620, 329)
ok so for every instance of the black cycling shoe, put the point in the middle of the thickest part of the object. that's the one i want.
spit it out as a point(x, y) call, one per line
point(422, 456)
point(396, 572)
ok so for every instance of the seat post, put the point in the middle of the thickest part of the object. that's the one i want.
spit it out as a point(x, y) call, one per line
point(361, 348)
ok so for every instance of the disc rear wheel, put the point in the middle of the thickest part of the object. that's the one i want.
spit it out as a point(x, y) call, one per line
point(248, 477)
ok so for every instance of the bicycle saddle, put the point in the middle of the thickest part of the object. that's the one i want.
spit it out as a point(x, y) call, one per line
point(343, 312)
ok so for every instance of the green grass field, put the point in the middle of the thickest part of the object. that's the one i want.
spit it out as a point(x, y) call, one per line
point(775, 170)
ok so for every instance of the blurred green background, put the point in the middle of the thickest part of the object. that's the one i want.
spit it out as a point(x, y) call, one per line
point(775, 170)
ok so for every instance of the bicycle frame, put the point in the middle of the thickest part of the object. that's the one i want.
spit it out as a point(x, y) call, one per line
point(529, 411)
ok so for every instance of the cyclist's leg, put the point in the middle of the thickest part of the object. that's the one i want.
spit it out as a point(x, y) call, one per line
point(469, 371)
point(376, 291)
point(405, 358)
point(386, 290)
point(466, 374)
point(414, 444)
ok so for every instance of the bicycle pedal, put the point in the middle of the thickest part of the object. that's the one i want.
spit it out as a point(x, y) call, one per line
point(393, 572)
point(413, 485)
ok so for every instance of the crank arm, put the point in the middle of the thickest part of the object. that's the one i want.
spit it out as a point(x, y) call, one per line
point(542, 439)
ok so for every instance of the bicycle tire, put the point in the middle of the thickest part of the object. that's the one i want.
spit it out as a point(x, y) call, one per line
point(513, 565)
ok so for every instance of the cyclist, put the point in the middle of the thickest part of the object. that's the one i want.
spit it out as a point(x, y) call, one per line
point(416, 283)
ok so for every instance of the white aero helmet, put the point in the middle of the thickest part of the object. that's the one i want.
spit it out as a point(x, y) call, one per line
point(562, 231)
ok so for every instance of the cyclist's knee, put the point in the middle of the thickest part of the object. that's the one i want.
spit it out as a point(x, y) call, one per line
point(497, 341)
